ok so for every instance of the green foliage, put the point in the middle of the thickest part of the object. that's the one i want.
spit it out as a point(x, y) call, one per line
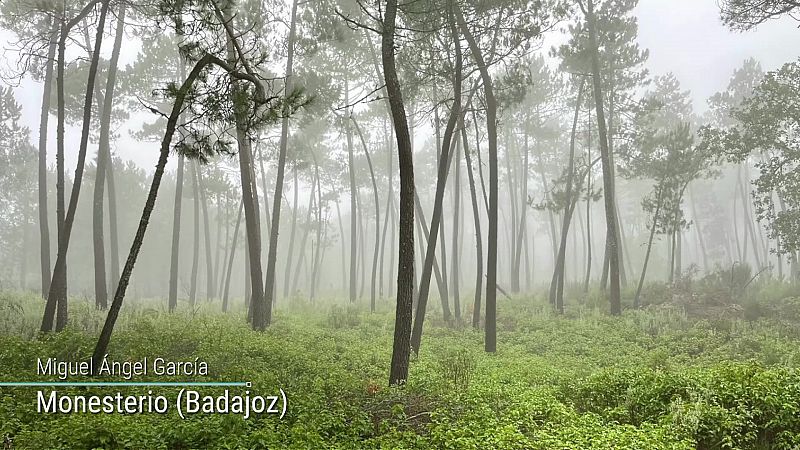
point(652, 379)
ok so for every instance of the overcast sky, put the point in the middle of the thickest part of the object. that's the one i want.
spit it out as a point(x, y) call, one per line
point(685, 37)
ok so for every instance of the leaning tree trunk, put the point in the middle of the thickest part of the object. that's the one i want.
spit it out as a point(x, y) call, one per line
point(611, 221)
point(401, 349)
point(57, 294)
point(446, 153)
point(490, 343)
point(557, 283)
point(44, 227)
point(113, 312)
point(377, 215)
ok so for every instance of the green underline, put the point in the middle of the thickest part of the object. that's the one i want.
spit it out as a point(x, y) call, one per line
point(124, 383)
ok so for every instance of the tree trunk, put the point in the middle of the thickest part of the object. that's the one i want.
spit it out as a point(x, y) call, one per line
point(490, 343)
point(523, 221)
point(476, 219)
point(398, 372)
point(176, 238)
point(231, 258)
point(454, 269)
point(699, 231)
point(557, 283)
point(206, 235)
point(272, 256)
point(377, 215)
point(445, 160)
point(292, 233)
point(196, 240)
point(113, 312)
point(344, 246)
point(306, 231)
point(103, 160)
point(636, 302)
point(44, 227)
point(57, 294)
point(611, 221)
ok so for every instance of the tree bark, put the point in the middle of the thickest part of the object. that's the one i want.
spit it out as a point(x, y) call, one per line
point(57, 294)
point(119, 295)
point(401, 350)
point(272, 256)
point(557, 283)
point(206, 235)
point(176, 238)
point(659, 201)
point(490, 341)
point(196, 235)
point(611, 221)
point(292, 233)
point(476, 219)
point(103, 160)
point(231, 258)
point(377, 215)
point(44, 118)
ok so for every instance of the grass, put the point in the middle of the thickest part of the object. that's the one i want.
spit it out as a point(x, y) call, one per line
point(653, 379)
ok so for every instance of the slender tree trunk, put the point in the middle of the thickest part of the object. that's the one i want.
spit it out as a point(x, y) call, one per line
point(557, 283)
point(292, 232)
point(344, 247)
point(361, 245)
point(232, 256)
point(476, 219)
point(103, 160)
point(698, 230)
point(512, 229)
point(304, 239)
point(401, 349)
point(196, 234)
point(206, 235)
point(57, 294)
point(611, 221)
point(454, 269)
point(113, 312)
point(636, 302)
point(225, 248)
point(218, 245)
point(176, 238)
point(44, 118)
point(523, 214)
point(490, 343)
point(261, 306)
point(59, 278)
point(315, 275)
point(269, 285)
point(377, 215)
point(445, 160)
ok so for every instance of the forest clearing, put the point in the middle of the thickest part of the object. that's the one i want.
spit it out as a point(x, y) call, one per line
point(495, 224)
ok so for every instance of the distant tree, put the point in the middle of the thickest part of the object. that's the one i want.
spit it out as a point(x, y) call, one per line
point(661, 148)
point(768, 124)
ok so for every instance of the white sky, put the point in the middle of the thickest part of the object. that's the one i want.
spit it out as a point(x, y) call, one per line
point(685, 37)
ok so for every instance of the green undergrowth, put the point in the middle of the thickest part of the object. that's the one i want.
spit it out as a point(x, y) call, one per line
point(652, 379)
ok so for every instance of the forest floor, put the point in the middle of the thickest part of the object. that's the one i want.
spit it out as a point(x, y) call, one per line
point(652, 379)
